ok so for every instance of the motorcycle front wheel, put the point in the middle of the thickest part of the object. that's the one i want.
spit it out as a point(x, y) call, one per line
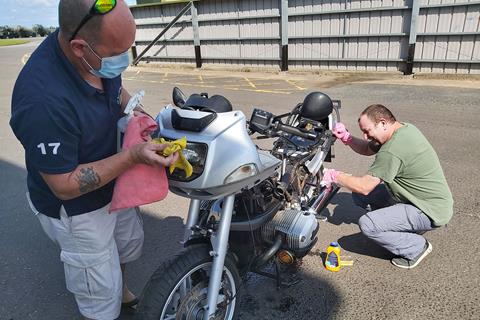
point(178, 289)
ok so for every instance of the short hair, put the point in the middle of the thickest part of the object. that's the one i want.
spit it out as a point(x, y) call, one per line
point(375, 112)
point(71, 13)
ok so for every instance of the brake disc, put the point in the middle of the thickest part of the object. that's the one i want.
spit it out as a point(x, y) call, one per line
point(194, 303)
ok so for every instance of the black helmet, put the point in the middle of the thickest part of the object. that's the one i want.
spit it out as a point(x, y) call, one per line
point(316, 106)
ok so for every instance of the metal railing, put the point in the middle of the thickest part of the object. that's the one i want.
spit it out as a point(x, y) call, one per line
point(154, 41)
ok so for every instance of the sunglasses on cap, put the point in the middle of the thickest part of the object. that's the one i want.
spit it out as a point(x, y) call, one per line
point(99, 7)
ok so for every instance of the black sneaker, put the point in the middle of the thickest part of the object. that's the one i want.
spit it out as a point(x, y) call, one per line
point(410, 264)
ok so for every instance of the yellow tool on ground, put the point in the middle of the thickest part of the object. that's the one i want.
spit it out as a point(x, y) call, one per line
point(174, 146)
point(345, 263)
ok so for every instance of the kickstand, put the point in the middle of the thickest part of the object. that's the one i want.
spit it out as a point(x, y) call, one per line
point(277, 276)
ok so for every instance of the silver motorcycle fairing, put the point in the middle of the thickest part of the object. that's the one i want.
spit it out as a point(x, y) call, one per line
point(229, 148)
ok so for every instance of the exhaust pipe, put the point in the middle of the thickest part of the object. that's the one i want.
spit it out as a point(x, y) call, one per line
point(267, 255)
point(323, 199)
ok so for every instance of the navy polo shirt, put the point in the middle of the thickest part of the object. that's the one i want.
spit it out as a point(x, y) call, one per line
point(62, 122)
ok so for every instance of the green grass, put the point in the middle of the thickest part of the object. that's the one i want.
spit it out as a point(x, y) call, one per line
point(11, 42)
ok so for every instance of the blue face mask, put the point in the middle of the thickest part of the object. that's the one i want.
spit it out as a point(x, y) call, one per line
point(111, 67)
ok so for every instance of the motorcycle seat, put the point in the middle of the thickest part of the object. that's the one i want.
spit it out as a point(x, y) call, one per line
point(215, 104)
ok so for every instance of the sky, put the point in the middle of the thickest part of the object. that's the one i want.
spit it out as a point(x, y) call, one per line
point(30, 12)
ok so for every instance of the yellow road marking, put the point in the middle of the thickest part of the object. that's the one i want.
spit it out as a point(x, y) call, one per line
point(210, 86)
point(295, 85)
point(216, 77)
point(282, 89)
point(200, 77)
point(249, 82)
point(194, 84)
point(238, 85)
point(258, 90)
point(266, 84)
point(234, 81)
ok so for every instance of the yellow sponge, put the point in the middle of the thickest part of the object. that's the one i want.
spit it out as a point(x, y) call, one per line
point(174, 146)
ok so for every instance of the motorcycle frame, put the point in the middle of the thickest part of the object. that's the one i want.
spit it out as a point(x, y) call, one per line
point(219, 237)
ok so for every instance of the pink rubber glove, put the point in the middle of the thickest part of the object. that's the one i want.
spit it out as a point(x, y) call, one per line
point(342, 133)
point(329, 177)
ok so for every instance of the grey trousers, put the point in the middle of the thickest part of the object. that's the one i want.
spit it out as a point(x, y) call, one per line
point(394, 226)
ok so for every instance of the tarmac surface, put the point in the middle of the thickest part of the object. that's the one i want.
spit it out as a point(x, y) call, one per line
point(446, 285)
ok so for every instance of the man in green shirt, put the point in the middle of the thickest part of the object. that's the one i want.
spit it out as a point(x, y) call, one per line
point(404, 189)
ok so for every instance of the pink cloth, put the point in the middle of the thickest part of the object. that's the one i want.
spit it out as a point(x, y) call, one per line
point(141, 184)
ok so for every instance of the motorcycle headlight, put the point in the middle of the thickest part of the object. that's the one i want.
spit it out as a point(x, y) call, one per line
point(196, 154)
point(241, 173)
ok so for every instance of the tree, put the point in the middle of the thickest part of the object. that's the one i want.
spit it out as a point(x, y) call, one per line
point(22, 32)
point(51, 29)
point(40, 30)
point(7, 32)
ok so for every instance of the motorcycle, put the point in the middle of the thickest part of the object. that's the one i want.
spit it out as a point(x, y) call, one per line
point(249, 207)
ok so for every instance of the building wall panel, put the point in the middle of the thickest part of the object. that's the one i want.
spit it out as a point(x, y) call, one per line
point(330, 35)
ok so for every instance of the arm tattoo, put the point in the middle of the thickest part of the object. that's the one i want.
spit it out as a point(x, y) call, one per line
point(88, 180)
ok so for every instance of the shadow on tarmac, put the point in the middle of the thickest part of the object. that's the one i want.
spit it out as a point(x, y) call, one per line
point(33, 283)
point(360, 244)
point(311, 298)
point(347, 212)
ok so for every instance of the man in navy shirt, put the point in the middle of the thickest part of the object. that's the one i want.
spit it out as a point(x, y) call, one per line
point(65, 107)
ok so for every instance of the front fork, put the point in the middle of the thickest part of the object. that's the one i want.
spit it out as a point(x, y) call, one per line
point(192, 219)
point(219, 240)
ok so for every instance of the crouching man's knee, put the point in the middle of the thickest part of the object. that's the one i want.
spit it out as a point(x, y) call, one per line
point(367, 226)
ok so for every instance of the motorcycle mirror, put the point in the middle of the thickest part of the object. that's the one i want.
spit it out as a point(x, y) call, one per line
point(178, 97)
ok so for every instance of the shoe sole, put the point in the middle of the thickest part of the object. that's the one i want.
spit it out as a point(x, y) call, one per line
point(429, 249)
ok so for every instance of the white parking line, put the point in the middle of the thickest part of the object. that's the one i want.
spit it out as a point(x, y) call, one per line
point(25, 58)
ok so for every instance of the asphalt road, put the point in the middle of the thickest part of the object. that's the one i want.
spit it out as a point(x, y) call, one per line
point(445, 286)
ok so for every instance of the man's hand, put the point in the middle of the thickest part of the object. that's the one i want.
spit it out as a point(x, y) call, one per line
point(148, 153)
point(329, 177)
point(341, 132)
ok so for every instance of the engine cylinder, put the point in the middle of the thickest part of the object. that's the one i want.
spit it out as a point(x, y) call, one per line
point(298, 227)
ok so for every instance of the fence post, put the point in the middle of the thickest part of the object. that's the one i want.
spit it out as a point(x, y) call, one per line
point(134, 52)
point(412, 37)
point(196, 36)
point(284, 35)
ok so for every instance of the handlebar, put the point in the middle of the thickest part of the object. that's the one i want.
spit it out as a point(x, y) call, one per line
point(267, 124)
point(293, 130)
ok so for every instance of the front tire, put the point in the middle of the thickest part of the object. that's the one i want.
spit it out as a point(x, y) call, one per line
point(178, 288)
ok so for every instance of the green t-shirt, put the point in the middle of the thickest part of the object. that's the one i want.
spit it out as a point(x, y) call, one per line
point(410, 168)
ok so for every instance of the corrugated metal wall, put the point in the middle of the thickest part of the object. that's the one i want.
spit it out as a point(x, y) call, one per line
point(332, 35)
point(248, 32)
point(448, 37)
point(348, 35)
